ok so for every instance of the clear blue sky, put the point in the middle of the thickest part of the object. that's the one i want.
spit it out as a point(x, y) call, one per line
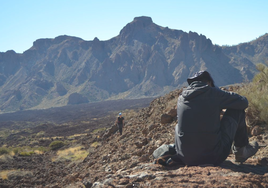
point(226, 22)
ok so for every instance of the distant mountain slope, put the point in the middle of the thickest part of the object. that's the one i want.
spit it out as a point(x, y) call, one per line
point(143, 60)
point(245, 55)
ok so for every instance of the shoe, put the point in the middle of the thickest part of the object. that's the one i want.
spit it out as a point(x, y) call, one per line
point(243, 153)
point(170, 162)
point(162, 160)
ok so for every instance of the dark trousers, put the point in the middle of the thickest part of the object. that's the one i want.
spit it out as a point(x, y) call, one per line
point(120, 127)
point(233, 130)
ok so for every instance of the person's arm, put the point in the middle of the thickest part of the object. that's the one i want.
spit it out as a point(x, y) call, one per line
point(233, 100)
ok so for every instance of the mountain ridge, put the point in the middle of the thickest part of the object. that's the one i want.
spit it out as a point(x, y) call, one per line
point(144, 60)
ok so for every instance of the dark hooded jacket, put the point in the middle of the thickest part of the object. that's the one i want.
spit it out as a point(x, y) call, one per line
point(197, 134)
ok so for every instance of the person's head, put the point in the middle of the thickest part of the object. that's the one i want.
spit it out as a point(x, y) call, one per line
point(202, 76)
point(120, 114)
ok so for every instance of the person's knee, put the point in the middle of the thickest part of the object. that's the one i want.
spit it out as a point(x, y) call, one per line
point(237, 115)
point(234, 111)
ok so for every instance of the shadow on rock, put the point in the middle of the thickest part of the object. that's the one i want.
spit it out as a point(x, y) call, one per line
point(245, 168)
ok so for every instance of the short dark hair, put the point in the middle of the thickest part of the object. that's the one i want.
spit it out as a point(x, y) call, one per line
point(202, 76)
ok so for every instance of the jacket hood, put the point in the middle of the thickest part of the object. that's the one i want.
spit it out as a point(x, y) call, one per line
point(194, 89)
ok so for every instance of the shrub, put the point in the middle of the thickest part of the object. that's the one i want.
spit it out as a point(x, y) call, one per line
point(26, 151)
point(40, 134)
point(56, 145)
point(16, 151)
point(257, 95)
point(4, 174)
point(41, 149)
point(15, 174)
point(3, 151)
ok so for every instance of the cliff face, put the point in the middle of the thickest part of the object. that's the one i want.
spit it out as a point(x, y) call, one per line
point(143, 60)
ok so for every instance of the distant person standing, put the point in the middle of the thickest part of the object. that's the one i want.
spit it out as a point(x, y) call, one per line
point(120, 122)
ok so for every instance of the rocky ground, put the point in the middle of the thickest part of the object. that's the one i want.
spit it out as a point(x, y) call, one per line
point(127, 161)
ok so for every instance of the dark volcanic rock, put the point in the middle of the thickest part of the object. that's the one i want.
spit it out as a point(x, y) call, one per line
point(165, 118)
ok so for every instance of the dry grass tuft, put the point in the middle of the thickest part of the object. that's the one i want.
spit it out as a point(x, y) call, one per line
point(95, 144)
point(76, 136)
point(77, 153)
point(4, 174)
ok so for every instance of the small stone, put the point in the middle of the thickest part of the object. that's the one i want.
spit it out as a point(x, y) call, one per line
point(256, 130)
point(263, 161)
point(134, 164)
point(123, 181)
point(145, 131)
point(165, 118)
point(130, 185)
point(153, 126)
point(144, 158)
point(87, 183)
point(173, 113)
point(108, 181)
point(139, 144)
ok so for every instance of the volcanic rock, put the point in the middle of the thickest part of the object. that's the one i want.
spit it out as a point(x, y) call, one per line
point(165, 118)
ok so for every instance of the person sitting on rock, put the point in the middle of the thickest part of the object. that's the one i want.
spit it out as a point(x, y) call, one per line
point(201, 137)
point(120, 122)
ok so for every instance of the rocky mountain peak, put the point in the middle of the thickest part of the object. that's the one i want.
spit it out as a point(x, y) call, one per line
point(41, 44)
point(137, 24)
point(45, 43)
point(96, 40)
point(144, 20)
point(63, 38)
point(10, 52)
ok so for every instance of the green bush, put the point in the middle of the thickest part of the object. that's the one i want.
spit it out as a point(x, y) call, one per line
point(56, 145)
point(3, 151)
point(257, 95)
